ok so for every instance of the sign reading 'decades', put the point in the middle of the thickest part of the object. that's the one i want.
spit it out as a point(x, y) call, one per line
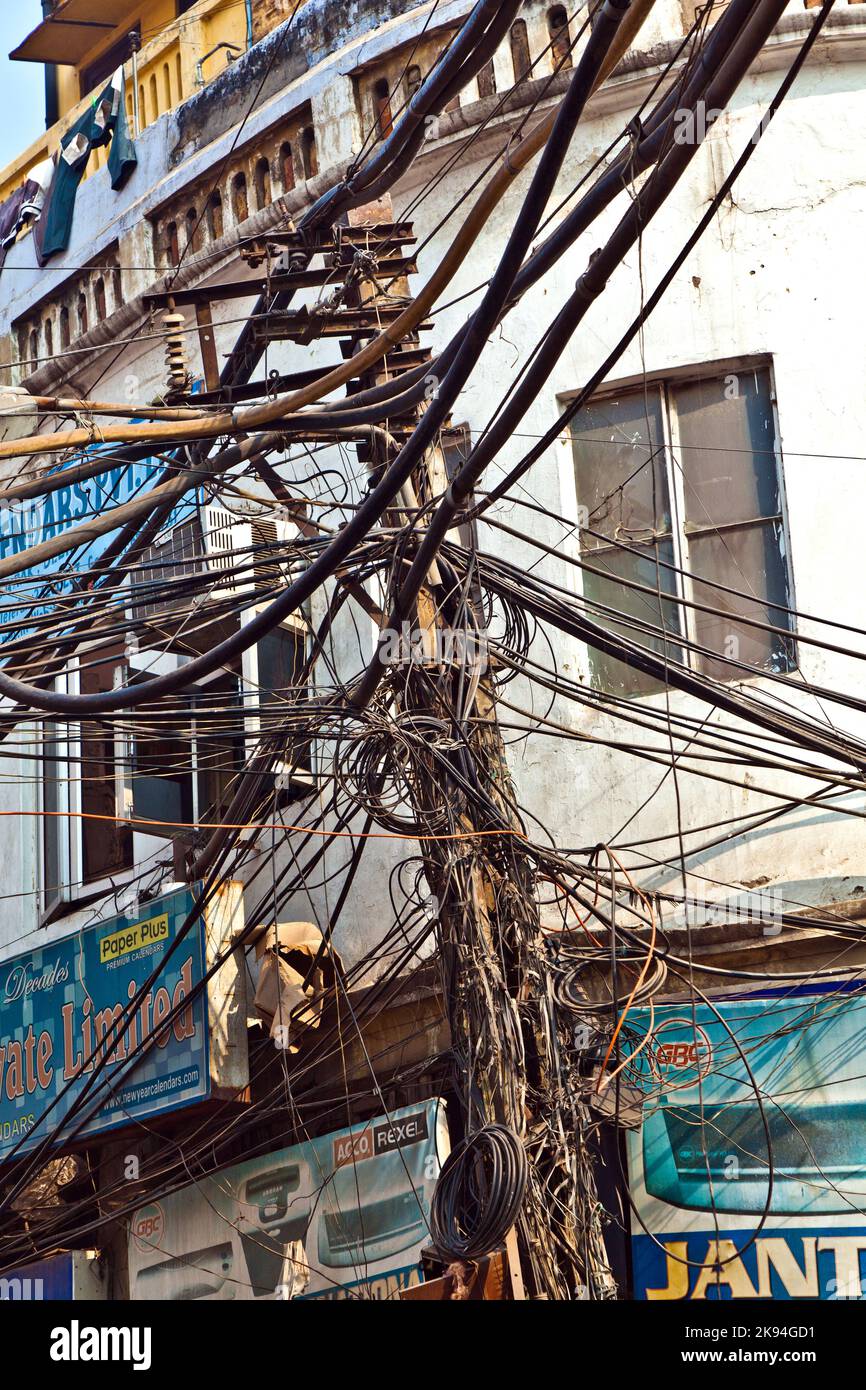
point(343, 1216)
point(774, 1083)
point(58, 1004)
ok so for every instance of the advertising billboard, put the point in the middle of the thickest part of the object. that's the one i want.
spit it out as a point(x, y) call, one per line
point(748, 1172)
point(58, 1003)
point(340, 1217)
point(35, 591)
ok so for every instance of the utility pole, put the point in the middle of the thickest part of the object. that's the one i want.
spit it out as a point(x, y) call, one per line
point(506, 1033)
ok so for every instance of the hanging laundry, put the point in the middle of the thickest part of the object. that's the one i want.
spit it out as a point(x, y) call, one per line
point(103, 122)
point(24, 205)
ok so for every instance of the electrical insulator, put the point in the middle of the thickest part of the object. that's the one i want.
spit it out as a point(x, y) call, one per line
point(175, 355)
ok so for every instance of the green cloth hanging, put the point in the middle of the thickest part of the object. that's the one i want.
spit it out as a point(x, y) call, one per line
point(103, 122)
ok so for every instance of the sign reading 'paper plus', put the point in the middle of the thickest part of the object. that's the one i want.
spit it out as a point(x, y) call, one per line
point(58, 1006)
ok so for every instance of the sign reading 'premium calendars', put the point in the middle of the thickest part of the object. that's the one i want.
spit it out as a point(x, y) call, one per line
point(58, 1005)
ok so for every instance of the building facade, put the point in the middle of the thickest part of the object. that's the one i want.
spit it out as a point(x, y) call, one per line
point(743, 388)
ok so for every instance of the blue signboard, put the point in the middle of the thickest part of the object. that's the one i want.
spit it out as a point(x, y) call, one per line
point(49, 1280)
point(76, 1276)
point(35, 591)
point(732, 1095)
point(58, 1005)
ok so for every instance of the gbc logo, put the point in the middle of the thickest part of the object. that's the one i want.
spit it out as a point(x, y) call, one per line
point(682, 1060)
point(148, 1226)
point(677, 1054)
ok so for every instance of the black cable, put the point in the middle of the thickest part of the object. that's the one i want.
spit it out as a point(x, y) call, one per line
point(479, 1194)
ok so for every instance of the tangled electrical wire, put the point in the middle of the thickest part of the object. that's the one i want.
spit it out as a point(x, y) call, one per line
point(479, 1194)
point(516, 935)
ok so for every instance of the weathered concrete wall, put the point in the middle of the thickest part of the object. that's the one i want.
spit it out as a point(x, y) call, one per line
point(774, 276)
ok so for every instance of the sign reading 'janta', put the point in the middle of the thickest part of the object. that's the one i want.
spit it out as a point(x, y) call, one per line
point(748, 1172)
point(61, 1011)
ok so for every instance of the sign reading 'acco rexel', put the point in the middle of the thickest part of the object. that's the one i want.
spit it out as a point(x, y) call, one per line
point(58, 1005)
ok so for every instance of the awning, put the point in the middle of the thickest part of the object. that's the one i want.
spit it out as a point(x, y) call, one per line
point(68, 34)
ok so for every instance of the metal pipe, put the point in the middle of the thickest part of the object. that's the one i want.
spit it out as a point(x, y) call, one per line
point(234, 51)
point(52, 98)
point(134, 46)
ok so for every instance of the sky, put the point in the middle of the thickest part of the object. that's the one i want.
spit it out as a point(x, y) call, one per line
point(22, 85)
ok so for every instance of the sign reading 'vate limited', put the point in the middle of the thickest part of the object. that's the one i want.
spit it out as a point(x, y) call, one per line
point(60, 1008)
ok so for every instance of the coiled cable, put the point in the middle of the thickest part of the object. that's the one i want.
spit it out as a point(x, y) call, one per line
point(479, 1193)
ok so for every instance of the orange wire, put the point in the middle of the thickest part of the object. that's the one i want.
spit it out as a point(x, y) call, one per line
point(265, 825)
point(627, 1061)
point(641, 977)
point(551, 878)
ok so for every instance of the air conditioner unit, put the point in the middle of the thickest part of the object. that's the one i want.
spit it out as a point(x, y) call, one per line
point(212, 540)
point(269, 535)
point(715, 1157)
point(370, 1211)
point(227, 544)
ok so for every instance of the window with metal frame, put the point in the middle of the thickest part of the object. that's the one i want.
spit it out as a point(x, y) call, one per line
point(682, 527)
point(100, 787)
point(86, 836)
point(185, 765)
point(274, 679)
